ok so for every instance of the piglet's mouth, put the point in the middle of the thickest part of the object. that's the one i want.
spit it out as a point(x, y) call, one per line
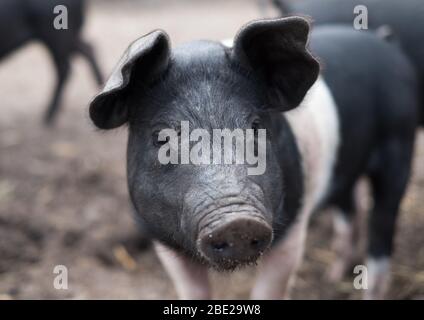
point(234, 239)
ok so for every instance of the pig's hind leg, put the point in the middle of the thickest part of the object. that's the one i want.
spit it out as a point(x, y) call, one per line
point(389, 177)
point(389, 171)
point(86, 50)
point(63, 68)
point(189, 278)
point(61, 53)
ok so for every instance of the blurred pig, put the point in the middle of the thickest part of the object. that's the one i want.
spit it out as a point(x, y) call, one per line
point(404, 18)
point(218, 215)
point(22, 21)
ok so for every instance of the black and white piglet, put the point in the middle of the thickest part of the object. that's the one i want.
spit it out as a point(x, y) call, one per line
point(28, 20)
point(217, 215)
point(404, 18)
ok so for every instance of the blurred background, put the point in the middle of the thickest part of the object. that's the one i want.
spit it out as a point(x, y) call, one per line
point(63, 194)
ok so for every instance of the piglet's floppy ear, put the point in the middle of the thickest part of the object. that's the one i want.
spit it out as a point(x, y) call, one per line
point(145, 59)
point(276, 51)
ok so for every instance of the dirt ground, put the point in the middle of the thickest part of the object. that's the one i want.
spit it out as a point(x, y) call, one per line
point(63, 196)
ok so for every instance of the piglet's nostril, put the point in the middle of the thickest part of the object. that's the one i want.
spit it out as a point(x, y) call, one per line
point(255, 242)
point(220, 246)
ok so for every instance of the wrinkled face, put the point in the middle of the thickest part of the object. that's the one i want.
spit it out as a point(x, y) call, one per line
point(202, 209)
point(214, 211)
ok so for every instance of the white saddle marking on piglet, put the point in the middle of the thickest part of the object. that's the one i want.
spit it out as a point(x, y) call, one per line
point(315, 124)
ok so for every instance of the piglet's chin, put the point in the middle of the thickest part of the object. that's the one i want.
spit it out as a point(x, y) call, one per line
point(227, 265)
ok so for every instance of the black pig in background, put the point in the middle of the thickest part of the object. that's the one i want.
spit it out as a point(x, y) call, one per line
point(22, 21)
point(404, 17)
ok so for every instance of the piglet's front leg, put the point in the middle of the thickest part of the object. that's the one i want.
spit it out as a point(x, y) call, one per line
point(278, 268)
point(189, 278)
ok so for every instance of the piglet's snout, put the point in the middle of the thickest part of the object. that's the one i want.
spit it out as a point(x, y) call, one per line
point(236, 241)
